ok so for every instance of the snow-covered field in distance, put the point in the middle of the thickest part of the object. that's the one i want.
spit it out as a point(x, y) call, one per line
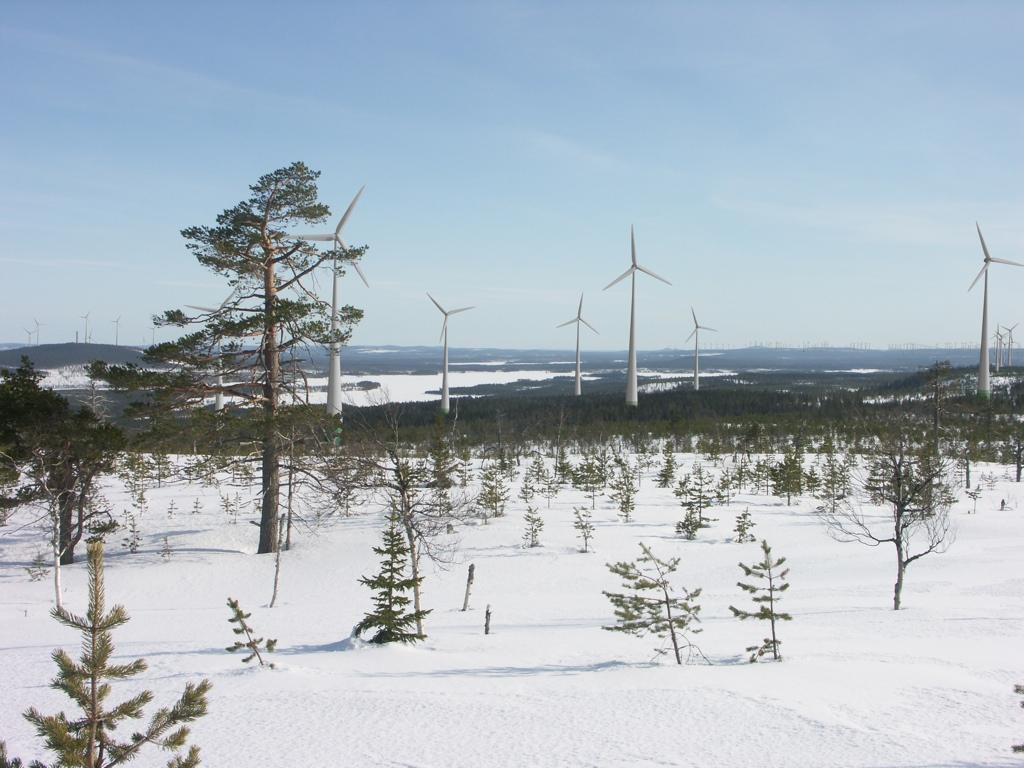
point(860, 684)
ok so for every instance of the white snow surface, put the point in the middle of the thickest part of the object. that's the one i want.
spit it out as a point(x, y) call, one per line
point(860, 684)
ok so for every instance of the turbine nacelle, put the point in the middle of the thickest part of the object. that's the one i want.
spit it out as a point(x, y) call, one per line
point(335, 237)
point(635, 266)
point(989, 259)
point(579, 319)
point(447, 313)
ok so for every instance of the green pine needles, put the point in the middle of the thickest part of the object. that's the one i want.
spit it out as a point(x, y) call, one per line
point(391, 621)
point(766, 596)
point(649, 607)
point(88, 740)
point(251, 643)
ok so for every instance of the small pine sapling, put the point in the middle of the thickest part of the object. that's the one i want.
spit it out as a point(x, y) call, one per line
point(166, 551)
point(534, 525)
point(39, 568)
point(648, 605)
point(528, 488)
point(744, 524)
point(584, 527)
point(624, 490)
point(689, 525)
point(88, 740)
point(171, 509)
point(550, 487)
point(132, 537)
point(493, 492)
point(197, 506)
point(390, 616)
point(667, 473)
point(766, 597)
point(251, 643)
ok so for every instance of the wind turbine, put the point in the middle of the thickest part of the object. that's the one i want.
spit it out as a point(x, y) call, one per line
point(578, 319)
point(86, 318)
point(695, 335)
point(444, 359)
point(117, 329)
point(983, 387)
point(40, 325)
point(218, 396)
point(334, 369)
point(26, 330)
point(1009, 344)
point(631, 390)
point(999, 348)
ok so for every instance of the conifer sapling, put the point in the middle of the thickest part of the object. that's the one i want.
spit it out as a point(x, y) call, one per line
point(534, 525)
point(744, 523)
point(649, 605)
point(89, 739)
point(251, 643)
point(390, 617)
point(584, 527)
point(766, 596)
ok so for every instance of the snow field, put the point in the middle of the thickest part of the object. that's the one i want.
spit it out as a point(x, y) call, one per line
point(860, 684)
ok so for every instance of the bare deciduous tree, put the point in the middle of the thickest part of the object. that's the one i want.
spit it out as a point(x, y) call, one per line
point(915, 490)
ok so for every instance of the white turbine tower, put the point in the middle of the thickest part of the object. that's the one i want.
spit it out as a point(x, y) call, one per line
point(334, 368)
point(631, 391)
point(999, 349)
point(444, 358)
point(695, 335)
point(983, 387)
point(86, 318)
point(40, 325)
point(578, 319)
point(117, 330)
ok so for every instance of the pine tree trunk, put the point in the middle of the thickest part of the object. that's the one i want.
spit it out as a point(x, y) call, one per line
point(271, 469)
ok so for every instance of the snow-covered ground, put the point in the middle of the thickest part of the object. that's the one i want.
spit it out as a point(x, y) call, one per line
point(860, 685)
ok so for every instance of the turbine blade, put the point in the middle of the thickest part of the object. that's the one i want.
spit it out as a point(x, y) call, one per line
point(706, 328)
point(632, 244)
point(316, 238)
point(201, 309)
point(348, 211)
point(444, 327)
point(621, 277)
point(976, 279)
point(460, 309)
point(982, 238)
point(436, 304)
point(656, 277)
point(568, 322)
point(1007, 261)
point(590, 326)
point(694, 317)
point(579, 311)
point(690, 336)
point(360, 273)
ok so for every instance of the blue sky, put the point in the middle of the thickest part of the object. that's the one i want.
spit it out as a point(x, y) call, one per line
point(799, 171)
